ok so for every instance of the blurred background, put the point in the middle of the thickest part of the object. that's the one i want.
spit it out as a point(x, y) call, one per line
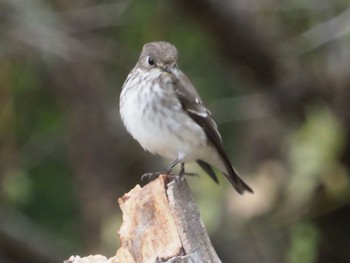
point(275, 75)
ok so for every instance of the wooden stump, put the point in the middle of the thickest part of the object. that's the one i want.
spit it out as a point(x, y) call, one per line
point(161, 223)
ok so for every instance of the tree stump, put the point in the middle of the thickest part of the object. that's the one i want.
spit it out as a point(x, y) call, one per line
point(161, 223)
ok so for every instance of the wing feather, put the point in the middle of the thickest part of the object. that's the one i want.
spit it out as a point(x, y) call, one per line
point(194, 107)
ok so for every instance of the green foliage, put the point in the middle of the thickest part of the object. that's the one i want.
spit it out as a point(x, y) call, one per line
point(318, 144)
point(41, 186)
point(303, 243)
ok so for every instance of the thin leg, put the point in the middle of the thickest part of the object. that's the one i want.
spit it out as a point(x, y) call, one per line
point(182, 171)
point(166, 171)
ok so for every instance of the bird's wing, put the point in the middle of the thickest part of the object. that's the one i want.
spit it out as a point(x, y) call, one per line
point(192, 104)
point(194, 107)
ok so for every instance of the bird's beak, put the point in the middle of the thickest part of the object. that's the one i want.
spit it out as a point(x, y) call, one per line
point(169, 69)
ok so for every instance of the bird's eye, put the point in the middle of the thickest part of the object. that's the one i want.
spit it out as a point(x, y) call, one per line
point(150, 61)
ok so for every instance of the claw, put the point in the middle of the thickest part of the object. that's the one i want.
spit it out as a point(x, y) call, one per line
point(168, 170)
point(150, 176)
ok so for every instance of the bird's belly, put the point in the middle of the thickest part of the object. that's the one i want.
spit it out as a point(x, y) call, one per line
point(163, 129)
point(172, 144)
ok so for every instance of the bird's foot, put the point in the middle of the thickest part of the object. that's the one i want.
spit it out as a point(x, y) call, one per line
point(167, 171)
point(152, 176)
point(182, 172)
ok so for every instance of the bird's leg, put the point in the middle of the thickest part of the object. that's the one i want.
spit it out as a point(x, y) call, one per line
point(166, 171)
point(182, 172)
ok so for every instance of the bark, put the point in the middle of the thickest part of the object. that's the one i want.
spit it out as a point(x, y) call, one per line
point(161, 223)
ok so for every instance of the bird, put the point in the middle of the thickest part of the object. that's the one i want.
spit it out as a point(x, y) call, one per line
point(162, 110)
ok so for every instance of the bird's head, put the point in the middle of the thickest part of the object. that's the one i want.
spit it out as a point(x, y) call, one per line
point(158, 55)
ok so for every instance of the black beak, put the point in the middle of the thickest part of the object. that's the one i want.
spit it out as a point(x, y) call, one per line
point(170, 69)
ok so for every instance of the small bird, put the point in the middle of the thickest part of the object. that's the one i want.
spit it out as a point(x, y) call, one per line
point(162, 110)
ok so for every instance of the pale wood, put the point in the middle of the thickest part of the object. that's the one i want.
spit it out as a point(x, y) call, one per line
point(194, 237)
point(161, 223)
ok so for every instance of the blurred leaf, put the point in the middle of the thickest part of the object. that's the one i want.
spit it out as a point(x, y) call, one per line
point(303, 244)
point(17, 188)
point(318, 143)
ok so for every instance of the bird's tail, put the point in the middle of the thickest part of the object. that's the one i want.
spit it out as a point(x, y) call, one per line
point(237, 182)
point(221, 161)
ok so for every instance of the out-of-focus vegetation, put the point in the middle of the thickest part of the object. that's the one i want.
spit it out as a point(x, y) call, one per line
point(275, 74)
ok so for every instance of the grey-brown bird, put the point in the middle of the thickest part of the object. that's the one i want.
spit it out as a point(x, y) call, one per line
point(162, 110)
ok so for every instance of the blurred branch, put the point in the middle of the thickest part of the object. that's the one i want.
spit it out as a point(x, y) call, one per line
point(290, 89)
point(95, 17)
point(34, 24)
point(325, 32)
point(236, 38)
point(21, 241)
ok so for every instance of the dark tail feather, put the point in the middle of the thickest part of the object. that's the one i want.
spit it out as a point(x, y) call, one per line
point(233, 177)
point(213, 136)
point(237, 182)
point(207, 168)
point(231, 174)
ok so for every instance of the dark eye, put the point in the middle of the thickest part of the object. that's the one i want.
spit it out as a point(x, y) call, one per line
point(150, 61)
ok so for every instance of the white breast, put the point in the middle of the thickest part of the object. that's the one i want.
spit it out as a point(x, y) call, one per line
point(153, 115)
